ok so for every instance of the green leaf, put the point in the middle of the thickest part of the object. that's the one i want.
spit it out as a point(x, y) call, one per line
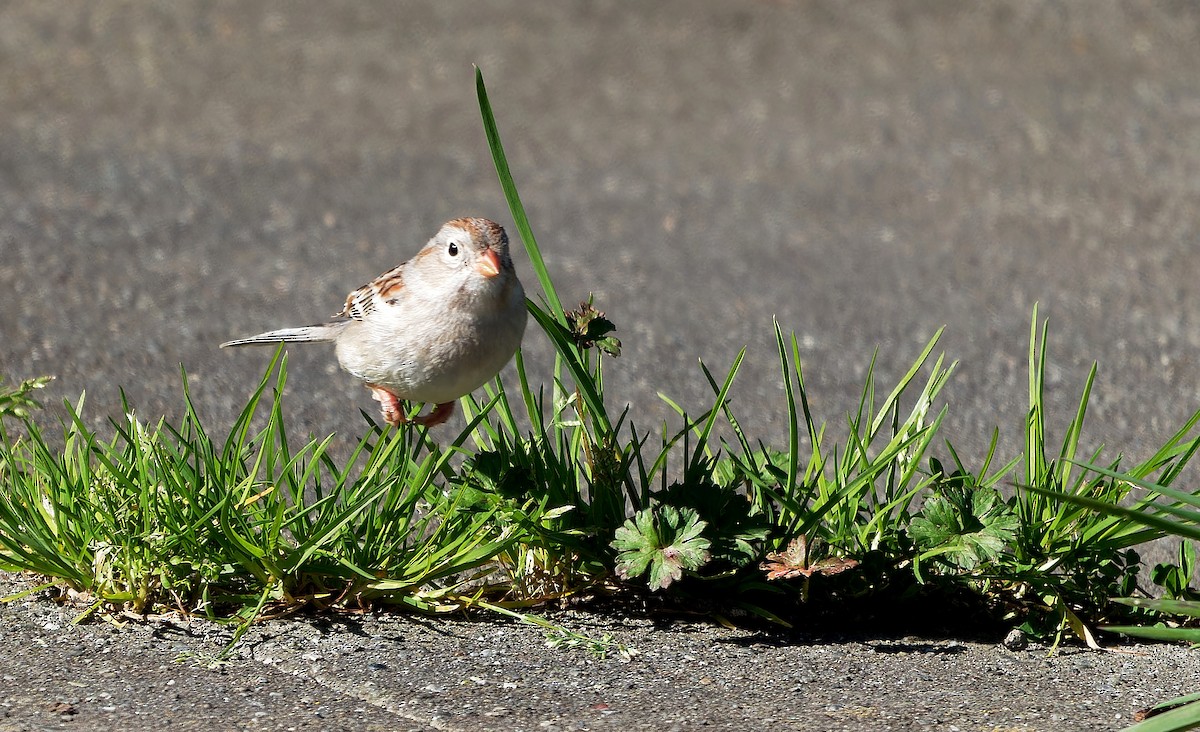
point(735, 531)
point(665, 540)
point(1190, 608)
point(965, 526)
point(1172, 715)
point(1158, 632)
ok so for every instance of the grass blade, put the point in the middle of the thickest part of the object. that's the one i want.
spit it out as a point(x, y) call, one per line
point(514, 199)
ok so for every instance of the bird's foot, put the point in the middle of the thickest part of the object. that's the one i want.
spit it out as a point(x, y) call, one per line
point(389, 405)
point(393, 409)
point(440, 414)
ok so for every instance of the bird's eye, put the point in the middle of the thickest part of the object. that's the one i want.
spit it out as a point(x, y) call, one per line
point(453, 249)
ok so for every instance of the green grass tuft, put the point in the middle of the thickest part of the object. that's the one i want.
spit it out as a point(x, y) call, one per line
point(550, 492)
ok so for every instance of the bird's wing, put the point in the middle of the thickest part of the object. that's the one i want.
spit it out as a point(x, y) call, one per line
point(383, 290)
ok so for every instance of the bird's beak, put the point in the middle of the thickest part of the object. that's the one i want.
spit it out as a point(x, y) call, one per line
point(488, 264)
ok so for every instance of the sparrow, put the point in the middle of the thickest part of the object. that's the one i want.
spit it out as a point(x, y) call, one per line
point(430, 330)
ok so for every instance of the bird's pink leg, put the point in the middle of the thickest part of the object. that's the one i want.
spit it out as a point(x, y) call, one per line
point(393, 410)
point(440, 414)
point(393, 413)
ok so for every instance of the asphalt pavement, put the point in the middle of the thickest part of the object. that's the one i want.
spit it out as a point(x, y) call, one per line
point(175, 175)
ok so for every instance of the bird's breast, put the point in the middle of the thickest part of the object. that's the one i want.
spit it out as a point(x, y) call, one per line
point(433, 357)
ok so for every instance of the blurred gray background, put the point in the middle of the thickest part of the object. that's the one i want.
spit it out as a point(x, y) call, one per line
point(174, 175)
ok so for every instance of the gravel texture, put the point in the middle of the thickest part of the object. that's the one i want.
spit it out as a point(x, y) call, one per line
point(173, 175)
point(393, 672)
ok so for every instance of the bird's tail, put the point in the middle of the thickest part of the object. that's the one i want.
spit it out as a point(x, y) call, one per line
point(304, 334)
